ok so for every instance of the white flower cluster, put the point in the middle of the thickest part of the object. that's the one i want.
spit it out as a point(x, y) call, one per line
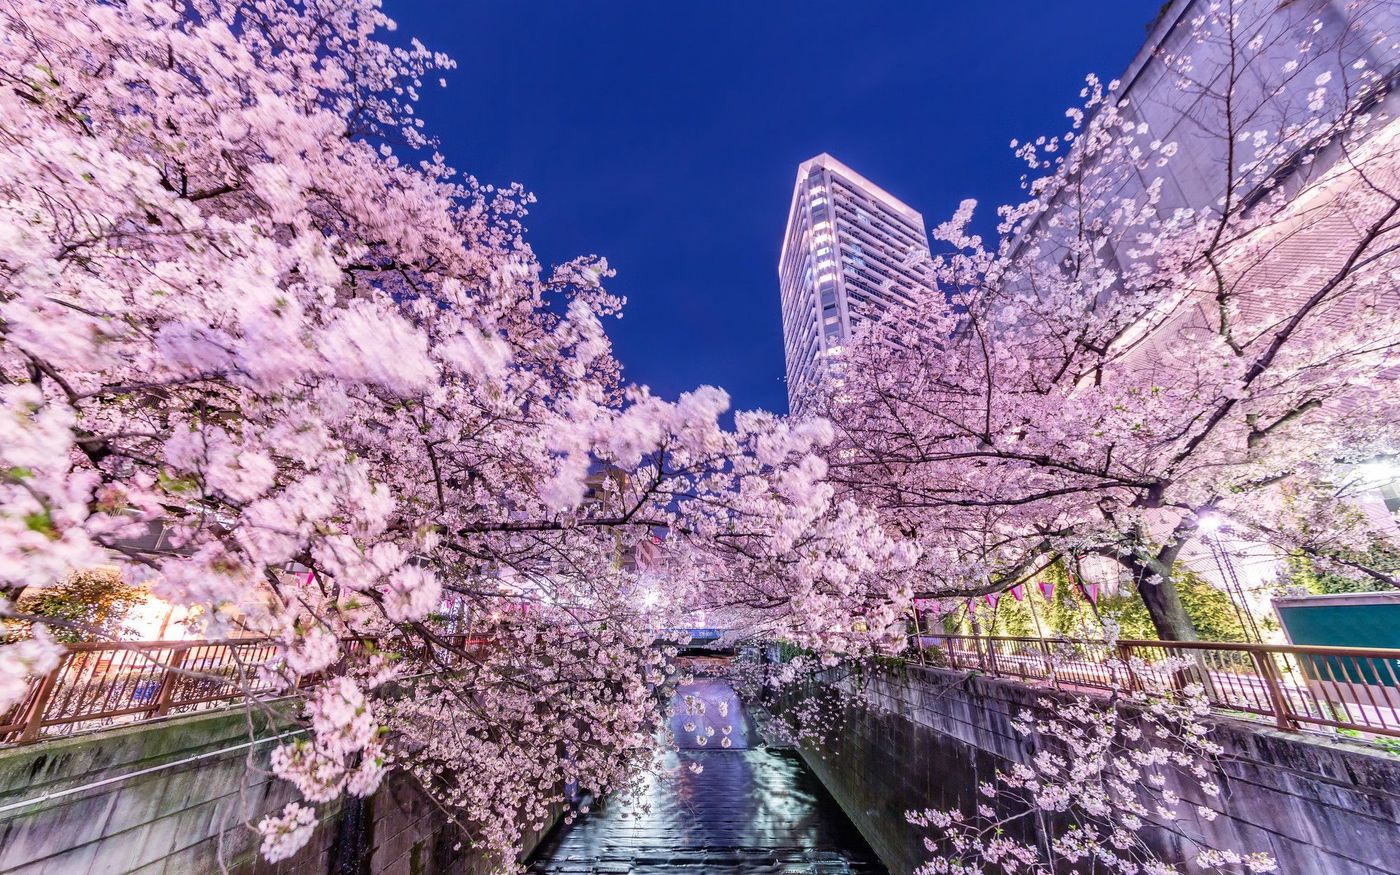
point(286, 833)
point(32, 657)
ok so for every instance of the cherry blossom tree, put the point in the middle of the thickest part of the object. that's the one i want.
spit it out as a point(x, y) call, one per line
point(243, 299)
point(1193, 312)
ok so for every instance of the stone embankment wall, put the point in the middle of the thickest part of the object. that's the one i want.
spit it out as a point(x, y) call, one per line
point(173, 797)
point(923, 738)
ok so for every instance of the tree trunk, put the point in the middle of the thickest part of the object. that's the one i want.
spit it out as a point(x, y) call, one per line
point(1165, 608)
point(1162, 599)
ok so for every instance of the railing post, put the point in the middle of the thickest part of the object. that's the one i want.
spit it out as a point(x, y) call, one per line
point(1125, 655)
point(168, 682)
point(919, 638)
point(1283, 717)
point(1049, 657)
point(34, 716)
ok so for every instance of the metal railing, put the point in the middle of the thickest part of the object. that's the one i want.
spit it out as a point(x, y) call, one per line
point(101, 684)
point(1297, 687)
point(1354, 689)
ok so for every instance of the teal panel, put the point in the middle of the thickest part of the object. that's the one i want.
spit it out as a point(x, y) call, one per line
point(1374, 625)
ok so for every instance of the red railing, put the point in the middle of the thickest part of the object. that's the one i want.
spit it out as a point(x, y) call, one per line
point(1355, 689)
point(102, 684)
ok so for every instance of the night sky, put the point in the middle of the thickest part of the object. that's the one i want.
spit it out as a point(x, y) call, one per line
point(666, 136)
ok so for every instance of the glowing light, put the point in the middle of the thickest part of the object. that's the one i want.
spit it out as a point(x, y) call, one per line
point(1379, 473)
point(155, 619)
point(1209, 523)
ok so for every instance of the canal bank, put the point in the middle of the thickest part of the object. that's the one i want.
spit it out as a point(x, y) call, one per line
point(909, 738)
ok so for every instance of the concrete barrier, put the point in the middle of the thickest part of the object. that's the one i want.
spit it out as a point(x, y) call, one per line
point(173, 797)
point(920, 737)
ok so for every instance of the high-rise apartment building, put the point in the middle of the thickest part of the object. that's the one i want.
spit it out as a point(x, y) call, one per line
point(851, 251)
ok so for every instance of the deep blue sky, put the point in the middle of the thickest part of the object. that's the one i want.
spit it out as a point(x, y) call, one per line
point(665, 136)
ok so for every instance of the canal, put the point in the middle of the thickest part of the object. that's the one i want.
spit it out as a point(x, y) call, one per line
point(747, 809)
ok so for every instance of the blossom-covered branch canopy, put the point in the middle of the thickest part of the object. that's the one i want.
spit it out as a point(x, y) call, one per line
point(1194, 310)
point(245, 302)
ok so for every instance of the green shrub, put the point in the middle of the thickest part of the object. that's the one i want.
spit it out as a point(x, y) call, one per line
point(1068, 613)
point(95, 598)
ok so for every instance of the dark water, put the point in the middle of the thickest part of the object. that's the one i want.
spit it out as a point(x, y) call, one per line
point(750, 810)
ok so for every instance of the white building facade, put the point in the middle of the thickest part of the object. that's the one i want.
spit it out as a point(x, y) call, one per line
point(850, 252)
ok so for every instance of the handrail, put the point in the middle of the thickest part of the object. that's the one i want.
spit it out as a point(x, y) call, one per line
point(174, 643)
point(1318, 649)
point(1296, 686)
point(1354, 689)
point(102, 683)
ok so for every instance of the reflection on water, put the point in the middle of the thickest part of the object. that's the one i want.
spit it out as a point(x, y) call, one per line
point(707, 712)
point(748, 810)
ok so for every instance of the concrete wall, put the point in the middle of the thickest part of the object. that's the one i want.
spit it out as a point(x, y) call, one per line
point(137, 806)
point(920, 738)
